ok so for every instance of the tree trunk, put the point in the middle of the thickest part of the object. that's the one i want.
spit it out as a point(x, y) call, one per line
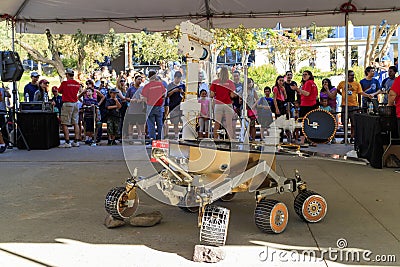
point(56, 62)
point(367, 60)
point(386, 44)
point(378, 33)
point(81, 58)
point(130, 63)
point(37, 56)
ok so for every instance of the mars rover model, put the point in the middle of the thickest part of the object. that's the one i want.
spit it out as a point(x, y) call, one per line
point(195, 173)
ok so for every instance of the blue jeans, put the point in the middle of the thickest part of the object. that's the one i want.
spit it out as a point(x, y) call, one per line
point(154, 116)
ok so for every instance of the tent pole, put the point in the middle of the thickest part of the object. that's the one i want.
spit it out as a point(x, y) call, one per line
point(244, 120)
point(346, 70)
point(14, 85)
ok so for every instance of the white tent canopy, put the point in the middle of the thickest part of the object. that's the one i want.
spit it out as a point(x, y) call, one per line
point(98, 16)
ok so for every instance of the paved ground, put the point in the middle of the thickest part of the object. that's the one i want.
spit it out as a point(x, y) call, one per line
point(52, 214)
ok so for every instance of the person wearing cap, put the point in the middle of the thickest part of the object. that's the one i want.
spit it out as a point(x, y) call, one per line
point(56, 100)
point(384, 65)
point(70, 110)
point(32, 86)
point(136, 113)
point(40, 94)
point(154, 93)
point(101, 99)
point(113, 116)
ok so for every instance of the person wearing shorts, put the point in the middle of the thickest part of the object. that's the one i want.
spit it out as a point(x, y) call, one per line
point(113, 116)
point(136, 113)
point(222, 90)
point(70, 111)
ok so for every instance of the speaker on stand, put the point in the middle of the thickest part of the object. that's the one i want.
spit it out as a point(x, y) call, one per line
point(11, 70)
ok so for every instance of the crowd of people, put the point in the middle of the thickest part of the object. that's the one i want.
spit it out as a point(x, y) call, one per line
point(136, 106)
point(295, 100)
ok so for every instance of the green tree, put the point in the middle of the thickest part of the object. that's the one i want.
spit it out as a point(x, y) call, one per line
point(289, 49)
point(5, 36)
point(35, 47)
point(83, 50)
point(87, 49)
point(263, 75)
point(239, 39)
point(155, 47)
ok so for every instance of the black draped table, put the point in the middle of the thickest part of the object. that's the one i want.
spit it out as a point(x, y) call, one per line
point(372, 136)
point(40, 129)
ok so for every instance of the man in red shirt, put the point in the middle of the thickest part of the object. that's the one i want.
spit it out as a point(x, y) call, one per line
point(222, 90)
point(154, 94)
point(394, 99)
point(69, 111)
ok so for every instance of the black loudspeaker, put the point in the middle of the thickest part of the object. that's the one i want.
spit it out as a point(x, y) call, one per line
point(41, 130)
point(11, 68)
point(389, 124)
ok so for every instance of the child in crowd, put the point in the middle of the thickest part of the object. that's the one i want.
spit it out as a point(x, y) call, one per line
point(89, 105)
point(204, 117)
point(112, 106)
point(295, 110)
point(56, 101)
point(264, 111)
point(295, 114)
point(324, 105)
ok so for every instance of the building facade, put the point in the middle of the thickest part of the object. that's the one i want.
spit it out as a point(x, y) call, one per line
point(330, 53)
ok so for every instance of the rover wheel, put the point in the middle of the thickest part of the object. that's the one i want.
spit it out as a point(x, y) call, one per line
point(271, 216)
point(228, 197)
point(214, 226)
point(310, 206)
point(189, 203)
point(118, 205)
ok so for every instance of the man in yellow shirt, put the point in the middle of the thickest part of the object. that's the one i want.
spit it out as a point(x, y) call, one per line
point(353, 93)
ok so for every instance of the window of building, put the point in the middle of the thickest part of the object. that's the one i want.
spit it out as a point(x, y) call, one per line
point(338, 32)
point(333, 58)
point(354, 55)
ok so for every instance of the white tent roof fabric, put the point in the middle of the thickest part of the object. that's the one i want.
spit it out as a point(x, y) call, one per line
point(98, 16)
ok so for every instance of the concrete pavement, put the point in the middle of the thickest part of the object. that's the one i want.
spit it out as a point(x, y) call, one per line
point(52, 205)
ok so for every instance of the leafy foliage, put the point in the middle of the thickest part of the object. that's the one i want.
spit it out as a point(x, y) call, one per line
point(155, 47)
point(86, 49)
point(240, 39)
point(263, 75)
point(5, 36)
point(289, 48)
